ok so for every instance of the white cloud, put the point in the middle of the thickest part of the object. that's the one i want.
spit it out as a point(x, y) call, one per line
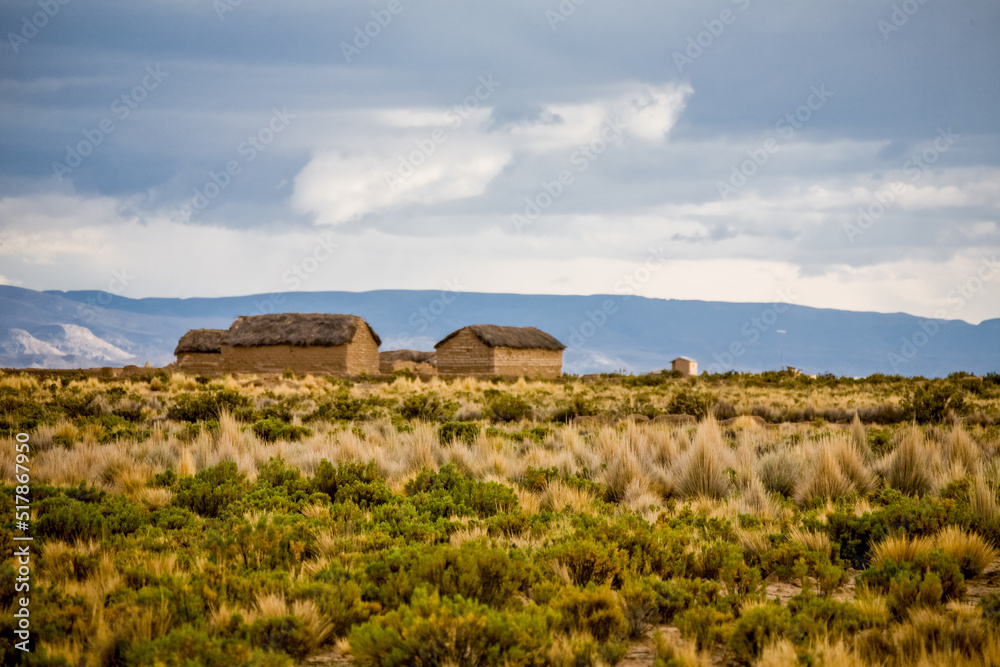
point(401, 157)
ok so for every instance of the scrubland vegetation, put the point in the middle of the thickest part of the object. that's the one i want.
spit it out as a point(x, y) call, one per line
point(274, 521)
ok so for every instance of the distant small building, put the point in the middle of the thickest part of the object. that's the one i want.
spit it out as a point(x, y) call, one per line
point(489, 349)
point(200, 351)
point(415, 361)
point(686, 365)
point(328, 344)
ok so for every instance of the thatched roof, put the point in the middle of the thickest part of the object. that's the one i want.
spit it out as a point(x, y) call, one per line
point(205, 341)
point(407, 355)
point(519, 338)
point(298, 329)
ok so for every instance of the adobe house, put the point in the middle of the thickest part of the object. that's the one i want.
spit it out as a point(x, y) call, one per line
point(200, 351)
point(301, 342)
point(489, 349)
point(415, 361)
point(686, 365)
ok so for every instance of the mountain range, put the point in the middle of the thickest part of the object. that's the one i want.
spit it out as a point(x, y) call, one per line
point(83, 329)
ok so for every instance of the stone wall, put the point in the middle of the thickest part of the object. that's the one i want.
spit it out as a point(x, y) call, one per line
point(200, 363)
point(362, 353)
point(415, 367)
point(529, 363)
point(464, 354)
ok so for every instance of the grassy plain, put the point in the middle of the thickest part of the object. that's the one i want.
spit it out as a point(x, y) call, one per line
point(306, 520)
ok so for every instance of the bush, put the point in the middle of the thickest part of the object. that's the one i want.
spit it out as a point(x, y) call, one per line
point(273, 429)
point(427, 407)
point(288, 634)
point(448, 493)
point(928, 580)
point(690, 402)
point(507, 408)
point(358, 483)
point(210, 492)
point(474, 571)
point(594, 609)
point(207, 405)
point(706, 626)
point(932, 405)
point(434, 631)
point(466, 432)
point(756, 629)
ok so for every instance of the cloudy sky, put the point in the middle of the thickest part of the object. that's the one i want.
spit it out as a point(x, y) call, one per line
point(834, 154)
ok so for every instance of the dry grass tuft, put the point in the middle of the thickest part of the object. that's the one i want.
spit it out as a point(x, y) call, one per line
point(900, 549)
point(826, 479)
point(906, 467)
point(779, 471)
point(811, 540)
point(983, 498)
point(702, 470)
point(971, 551)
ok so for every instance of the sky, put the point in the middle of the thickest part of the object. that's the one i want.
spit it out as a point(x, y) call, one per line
point(830, 154)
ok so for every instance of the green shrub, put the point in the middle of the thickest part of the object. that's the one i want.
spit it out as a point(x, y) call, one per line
point(212, 490)
point(756, 629)
point(640, 606)
point(504, 407)
point(433, 631)
point(818, 615)
point(427, 407)
point(273, 429)
point(466, 432)
point(990, 606)
point(359, 483)
point(474, 571)
point(448, 493)
point(288, 634)
point(344, 407)
point(190, 646)
point(706, 626)
point(594, 609)
point(853, 535)
point(929, 580)
point(207, 405)
point(691, 402)
point(279, 489)
point(588, 560)
point(578, 406)
point(932, 405)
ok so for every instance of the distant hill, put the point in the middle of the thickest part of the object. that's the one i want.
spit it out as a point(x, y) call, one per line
point(604, 333)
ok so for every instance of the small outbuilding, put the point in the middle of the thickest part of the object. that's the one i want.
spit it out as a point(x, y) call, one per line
point(415, 361)
point(686, 365)
point(322, 343)
point(489, 349)
point(200, 351)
